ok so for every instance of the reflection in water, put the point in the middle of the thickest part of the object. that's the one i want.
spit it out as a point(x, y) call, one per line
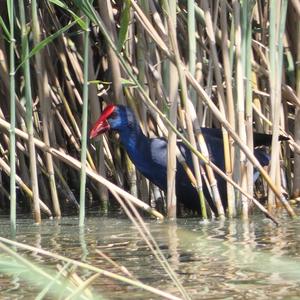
point(84, 248)
point(173, 245)
point(222, 259)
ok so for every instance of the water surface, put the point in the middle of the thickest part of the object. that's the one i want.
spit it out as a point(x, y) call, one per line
point(218, 260)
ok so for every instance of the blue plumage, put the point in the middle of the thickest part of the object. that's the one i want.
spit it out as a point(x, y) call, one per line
point(150, 155)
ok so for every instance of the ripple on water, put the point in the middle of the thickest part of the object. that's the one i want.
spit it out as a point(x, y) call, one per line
point(214, 260)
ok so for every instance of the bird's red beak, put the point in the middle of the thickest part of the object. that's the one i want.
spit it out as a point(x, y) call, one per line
point(102, 124)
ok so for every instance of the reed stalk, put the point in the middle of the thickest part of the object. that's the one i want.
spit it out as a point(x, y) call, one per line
point(153, 83)
point(247, 12)
point(5, 167)
point(296, 180)
point(201, 93)
point(227, 64)
point(12, 135)
point(172, 75)
point(142, 66)
point(63, 157)
point(171, 168)
point(43, 93)
point(107, 17)
point(192, 45)
point(94, 114)
point(106, 13)
point(141, 56)
point(277, 22)
point(241, 171)
point(29, 115)
point(221, 102)
point(243, 147)
point(274, 99)
point(84, 124)
point(73, 132)
point(184, 104)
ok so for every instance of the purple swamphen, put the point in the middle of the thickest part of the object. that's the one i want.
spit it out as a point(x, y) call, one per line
point(149, 155)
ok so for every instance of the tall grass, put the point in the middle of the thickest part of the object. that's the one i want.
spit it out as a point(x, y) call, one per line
point(139, 55)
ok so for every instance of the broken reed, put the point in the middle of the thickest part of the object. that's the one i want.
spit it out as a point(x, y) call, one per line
point(222, 50)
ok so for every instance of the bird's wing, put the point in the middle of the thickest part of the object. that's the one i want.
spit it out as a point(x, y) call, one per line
point(158, 151)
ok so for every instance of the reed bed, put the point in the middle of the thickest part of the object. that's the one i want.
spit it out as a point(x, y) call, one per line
point(220, 64)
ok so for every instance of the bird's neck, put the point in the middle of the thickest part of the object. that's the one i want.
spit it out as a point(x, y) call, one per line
point(149, 161)
point(132, 137)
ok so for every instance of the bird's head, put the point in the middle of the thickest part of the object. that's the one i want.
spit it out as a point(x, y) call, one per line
point(115, 117)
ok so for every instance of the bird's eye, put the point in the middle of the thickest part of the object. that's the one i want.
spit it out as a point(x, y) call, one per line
point(113, 115)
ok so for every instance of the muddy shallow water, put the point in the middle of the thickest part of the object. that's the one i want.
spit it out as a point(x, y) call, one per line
point(218, 260)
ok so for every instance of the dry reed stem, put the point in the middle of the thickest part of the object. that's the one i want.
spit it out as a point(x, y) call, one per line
point(44, 96)
point(77, 165)
point(214, 109)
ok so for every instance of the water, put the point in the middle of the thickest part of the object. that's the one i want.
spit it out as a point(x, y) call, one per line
point(218, 260)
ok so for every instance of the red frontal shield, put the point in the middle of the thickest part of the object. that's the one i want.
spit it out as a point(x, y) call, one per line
point(102, 124)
